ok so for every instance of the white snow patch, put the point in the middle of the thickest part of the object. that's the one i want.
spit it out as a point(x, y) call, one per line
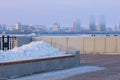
point(61, 74)
point(34, 50)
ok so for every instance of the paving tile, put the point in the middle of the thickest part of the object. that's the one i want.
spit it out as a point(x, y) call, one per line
point(110, 62)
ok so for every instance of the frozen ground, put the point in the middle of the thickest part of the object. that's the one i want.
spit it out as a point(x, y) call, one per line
point(55, 75)
point(34, 50)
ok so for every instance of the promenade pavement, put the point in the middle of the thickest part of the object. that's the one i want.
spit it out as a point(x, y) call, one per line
point(110, 62)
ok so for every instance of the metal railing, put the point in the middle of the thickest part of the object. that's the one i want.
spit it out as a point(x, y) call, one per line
point(7, 42)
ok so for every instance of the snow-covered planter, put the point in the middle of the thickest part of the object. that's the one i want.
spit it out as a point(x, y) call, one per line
point(33, 58)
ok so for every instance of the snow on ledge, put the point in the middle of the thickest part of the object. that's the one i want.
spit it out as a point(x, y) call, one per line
point(33, 50)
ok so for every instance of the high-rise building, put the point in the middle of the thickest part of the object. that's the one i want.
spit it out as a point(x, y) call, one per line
point(76, 26)
point(115, 28)
point(92, 24)
point(119, 28)
point(18, 25)
point(102, 25)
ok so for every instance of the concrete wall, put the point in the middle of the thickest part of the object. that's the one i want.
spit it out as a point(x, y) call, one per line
point(111, 44)
point(23, 40)
point(22, 68)
point(89, 44)
point(76, 43)
point(60, 43)
point(47, 39)
point(118, 44)
point(101, 44)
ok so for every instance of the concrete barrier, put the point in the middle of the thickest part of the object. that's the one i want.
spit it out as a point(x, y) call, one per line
point(100, 45)
point(76, 43)
point(63, 42)
point(23, 40)
point(47, 39)
point(26, 67)
point(89, 46)
point(118, 44)
point(86, 44)
point(111, 44)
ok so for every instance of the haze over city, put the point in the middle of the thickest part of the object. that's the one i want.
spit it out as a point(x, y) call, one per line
point(59, 40)
point(64, 11)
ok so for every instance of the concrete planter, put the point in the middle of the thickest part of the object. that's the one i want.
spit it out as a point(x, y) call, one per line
point(26, 67)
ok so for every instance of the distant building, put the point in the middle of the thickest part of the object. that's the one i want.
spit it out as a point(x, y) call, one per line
point(76, 26)
point(92, 24)
point(68, 29)
point(2, 26)
point(48, 29)
point(9, 27)
point(119, 28)
point(24, 28)
point(62, 29)
point(109, 29)
point(115, 28)
point(102, 25)
point(18, 25)
point(39, 28)
point(56, 27)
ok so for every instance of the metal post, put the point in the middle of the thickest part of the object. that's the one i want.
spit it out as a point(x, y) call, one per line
point(7, 42)
point(0, 43)
point(3, 42)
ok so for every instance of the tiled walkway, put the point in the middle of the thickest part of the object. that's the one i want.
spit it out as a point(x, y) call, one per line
point(110, 62)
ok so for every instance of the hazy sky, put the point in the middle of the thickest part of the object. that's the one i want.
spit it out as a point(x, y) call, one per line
point(63, 11)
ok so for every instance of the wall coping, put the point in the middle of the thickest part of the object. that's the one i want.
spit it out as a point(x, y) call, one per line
point(36, 60)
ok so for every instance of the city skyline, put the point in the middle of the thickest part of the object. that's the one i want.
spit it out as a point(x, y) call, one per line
point(63, 11)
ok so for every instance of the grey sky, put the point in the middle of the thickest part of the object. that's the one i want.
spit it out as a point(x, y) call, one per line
point(63, 11)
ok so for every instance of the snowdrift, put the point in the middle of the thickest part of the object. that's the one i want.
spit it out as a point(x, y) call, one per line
point(35, 57)
point(34, 50)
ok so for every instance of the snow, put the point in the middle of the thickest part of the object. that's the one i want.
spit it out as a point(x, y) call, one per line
point(33, 50)
point(55, 75)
